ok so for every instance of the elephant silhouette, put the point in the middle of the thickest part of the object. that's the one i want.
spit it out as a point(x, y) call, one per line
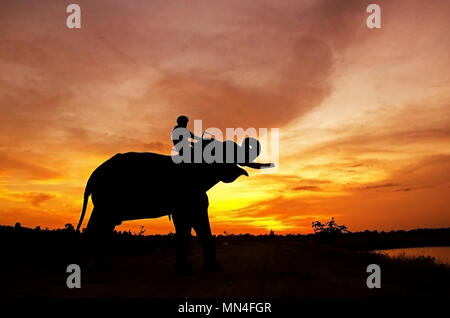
point(132, 186)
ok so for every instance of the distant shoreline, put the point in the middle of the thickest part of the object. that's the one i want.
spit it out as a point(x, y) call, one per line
point(356, 241)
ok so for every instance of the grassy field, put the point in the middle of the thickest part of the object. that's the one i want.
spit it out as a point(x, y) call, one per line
point(34, 265)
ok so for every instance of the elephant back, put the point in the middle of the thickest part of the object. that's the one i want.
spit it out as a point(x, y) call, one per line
point(139, 176)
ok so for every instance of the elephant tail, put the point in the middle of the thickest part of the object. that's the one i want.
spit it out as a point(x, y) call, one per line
point(87, 193)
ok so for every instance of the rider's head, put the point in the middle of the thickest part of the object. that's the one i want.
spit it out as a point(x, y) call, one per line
point(182, 121)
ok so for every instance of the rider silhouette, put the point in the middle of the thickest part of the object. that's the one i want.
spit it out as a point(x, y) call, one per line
point(182, 136)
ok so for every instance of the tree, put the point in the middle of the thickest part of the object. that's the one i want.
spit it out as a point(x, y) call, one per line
point(141, 230)
point(330, 227)
point(69, 227)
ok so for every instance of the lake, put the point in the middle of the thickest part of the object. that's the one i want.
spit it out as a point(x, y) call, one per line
point(441, 253)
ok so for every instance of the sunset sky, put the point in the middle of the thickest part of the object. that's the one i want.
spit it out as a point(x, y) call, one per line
point(363, 114)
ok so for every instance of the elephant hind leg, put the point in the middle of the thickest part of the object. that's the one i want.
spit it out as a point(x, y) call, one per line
point(99, 235)
point(99, 226)
point(183, 238)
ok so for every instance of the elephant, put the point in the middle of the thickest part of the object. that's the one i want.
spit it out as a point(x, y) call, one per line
point(131, 186)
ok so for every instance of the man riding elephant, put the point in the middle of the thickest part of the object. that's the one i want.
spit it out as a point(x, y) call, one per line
point(134, 186)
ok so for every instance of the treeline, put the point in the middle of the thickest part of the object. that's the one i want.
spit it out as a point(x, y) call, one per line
point(365, 240)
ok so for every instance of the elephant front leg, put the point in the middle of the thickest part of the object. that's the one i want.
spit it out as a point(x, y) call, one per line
point(183, 238)
point(203, 230)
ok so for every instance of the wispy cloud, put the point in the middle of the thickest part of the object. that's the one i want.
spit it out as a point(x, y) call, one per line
point(378, 186)
point(35, 198)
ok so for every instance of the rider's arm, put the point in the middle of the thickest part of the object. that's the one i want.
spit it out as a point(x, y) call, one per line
point(194, 136)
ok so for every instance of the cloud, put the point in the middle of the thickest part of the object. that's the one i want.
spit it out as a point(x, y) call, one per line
point(428, 172)
point(13, 166)
point(386, 132)
point(222, 102)
point(307, 188)
point(380, 186)
point(225, 62)
point(35, 198)
point(412, 189)
point(93, 141)
point(273, 70)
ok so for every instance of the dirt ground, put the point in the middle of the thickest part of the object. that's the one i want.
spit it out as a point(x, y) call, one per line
point(251, 268)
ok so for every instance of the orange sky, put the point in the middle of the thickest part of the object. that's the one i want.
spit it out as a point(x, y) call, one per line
point(363, 114)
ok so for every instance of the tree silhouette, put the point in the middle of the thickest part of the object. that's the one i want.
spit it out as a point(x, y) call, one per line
point(330, 227)
point(141, 230)
point(69, 227)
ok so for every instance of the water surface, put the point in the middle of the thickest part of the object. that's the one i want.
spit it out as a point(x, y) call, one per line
point(441, 253)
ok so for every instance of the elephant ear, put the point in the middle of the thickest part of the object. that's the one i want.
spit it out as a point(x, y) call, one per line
point(231, 172)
